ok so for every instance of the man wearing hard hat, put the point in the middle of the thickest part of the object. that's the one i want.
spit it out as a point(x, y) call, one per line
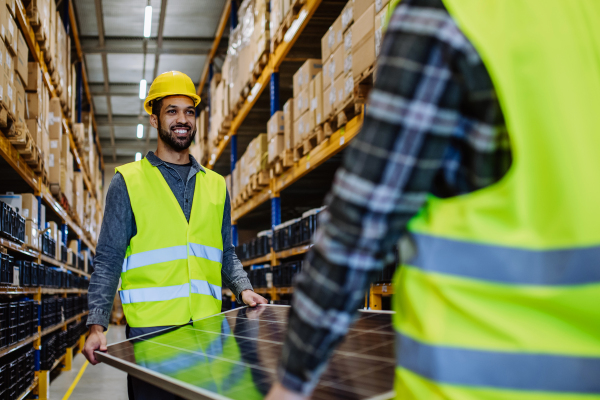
point(176, 256)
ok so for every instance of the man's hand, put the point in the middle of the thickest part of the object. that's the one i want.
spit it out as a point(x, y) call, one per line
point(279, 392)
point(96, 341)
point(252, 299)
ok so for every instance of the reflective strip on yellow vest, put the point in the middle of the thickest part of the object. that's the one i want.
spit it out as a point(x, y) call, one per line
point(501, 300)
point(172, 269)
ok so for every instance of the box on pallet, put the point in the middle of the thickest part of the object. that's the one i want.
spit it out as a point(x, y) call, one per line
point(363, 42)
point(31, 234)
point(333, 67)
point(303, 76)
point(348, 51)
point(11, 35)
point(30, 205)
point(380, 4)
point(332, 39)
point(348, 15)
point(20, 101)
point(288, 124)
point(78, 195)
point(257, 147)
point(276, 147)
point(21, 62)
point(328, 102)
point(301, 127)
point(360, 6)
point(302, 101)
point(275, 125)
point(316, 101)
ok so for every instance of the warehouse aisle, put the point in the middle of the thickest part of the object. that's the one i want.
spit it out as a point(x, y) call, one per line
point(97, 382)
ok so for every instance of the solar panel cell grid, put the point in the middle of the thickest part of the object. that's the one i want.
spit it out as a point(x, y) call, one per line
point(234, 355)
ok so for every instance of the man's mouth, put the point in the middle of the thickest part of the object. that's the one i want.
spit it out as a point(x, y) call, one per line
point(181, 131)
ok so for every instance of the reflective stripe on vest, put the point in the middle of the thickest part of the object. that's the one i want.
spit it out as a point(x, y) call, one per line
point(495, 369)
point(170, 254)
point(170, 292)
point(508, 265)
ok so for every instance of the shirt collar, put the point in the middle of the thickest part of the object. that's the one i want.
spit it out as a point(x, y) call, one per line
point(155, 162)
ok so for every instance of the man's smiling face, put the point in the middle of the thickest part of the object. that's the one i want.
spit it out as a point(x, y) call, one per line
point(177, 122)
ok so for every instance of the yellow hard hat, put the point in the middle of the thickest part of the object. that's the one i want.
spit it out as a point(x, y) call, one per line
point(172, 83)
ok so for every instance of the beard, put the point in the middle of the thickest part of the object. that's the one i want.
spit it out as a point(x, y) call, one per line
point(173, 141)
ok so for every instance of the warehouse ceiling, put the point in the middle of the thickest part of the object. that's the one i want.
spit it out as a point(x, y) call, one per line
point(118, 57)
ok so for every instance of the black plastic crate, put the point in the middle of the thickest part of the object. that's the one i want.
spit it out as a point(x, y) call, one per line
point(3, 338)
point(13, 314)
point(12, 335)
point(34, 274)
point(3, 315)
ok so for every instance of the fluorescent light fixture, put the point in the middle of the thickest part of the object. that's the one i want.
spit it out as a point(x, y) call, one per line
point(138, 156)
point(148, 21)
point(140, 131)
point(143, 89)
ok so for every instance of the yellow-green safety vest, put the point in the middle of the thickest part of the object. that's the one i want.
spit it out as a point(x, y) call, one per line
point(502, 300)
point(206, 355)
point(172, 269)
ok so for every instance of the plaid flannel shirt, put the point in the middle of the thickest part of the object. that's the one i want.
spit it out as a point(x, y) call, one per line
point(433, 126)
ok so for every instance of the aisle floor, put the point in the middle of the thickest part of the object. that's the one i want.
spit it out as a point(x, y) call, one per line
point(98, 382)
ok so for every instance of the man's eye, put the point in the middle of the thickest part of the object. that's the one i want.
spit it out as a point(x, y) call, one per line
point(171, 111)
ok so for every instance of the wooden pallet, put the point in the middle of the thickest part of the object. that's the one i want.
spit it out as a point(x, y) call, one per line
point(33, 15)
point(259, 180)
point(282, 162)
point(260, 65)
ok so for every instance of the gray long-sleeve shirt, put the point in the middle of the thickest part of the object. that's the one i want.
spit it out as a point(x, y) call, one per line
point(118, 227)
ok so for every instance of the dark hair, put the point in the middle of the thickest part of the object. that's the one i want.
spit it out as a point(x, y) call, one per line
point(156, 107)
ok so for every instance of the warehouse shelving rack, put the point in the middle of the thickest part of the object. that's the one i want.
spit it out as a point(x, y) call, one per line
point(308, 163)
point(40, 385)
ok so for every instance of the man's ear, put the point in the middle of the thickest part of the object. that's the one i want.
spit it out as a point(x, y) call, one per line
point(154, 121)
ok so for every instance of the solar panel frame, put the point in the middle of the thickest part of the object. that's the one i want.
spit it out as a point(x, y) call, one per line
point(192, 392)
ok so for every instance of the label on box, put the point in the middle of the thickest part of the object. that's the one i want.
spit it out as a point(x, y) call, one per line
point(0, 58)
point(26, 213)
point(341, 95)
point(51, 160)
point(377, 5)
point(332, 97)
point(54, 144)
point(16, 280)
point(10, 92)
point(9, 62)
point(313, 104)
point(332, 70)
point(331, 39)
point(348, 41)
point(11, 28)
point(349, 87)
point(348, 64)
point(3, 31)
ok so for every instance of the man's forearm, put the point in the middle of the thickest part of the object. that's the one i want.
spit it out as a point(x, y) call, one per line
point(103, 286)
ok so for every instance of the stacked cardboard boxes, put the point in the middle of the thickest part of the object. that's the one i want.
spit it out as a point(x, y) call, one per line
point(302, 100)
point(288, 124)
point(275, 136)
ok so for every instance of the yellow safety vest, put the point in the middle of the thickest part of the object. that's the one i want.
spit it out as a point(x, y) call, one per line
point(172, 269)
point(502, 300)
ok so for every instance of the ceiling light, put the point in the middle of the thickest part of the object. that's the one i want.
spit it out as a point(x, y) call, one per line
point(143, 89)
point(140, 131)
point(148, 21)
point(138, 156)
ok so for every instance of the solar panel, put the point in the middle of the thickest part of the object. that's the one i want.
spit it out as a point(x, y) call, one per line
point(234, 355)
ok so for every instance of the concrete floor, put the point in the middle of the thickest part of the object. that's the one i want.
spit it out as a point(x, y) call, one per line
point(98, 382)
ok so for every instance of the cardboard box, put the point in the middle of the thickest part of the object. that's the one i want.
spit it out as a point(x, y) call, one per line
point(257, 147)
point(347, 15)
point(55, 118)
point(78, 195)
point(307, 71)
point(301, 127)
point(380, 19)
point(360, 6)
point(30, 207)
point(35, 107)
point(54, 157)
point(335, 67)
point(12, 97)
point(36, 132)
point(10, 4)
point(20, 101)
point(32, 234)
point(275, 125)
point(11, 36)
point(380, 4)
point(363, 42)
point(328, 102)
point(21, 62)
point(332, 39)
point(348, 51)
point(302, 102)
point(288, 123)
point(276, 147)
point(316, 101)
point(338, 89)
point(3, 22)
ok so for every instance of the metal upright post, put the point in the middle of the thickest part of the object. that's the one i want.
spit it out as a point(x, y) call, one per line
point(233, 158)
point(275, 199)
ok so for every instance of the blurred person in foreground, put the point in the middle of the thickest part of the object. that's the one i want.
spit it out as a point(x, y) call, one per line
point(498, 293)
